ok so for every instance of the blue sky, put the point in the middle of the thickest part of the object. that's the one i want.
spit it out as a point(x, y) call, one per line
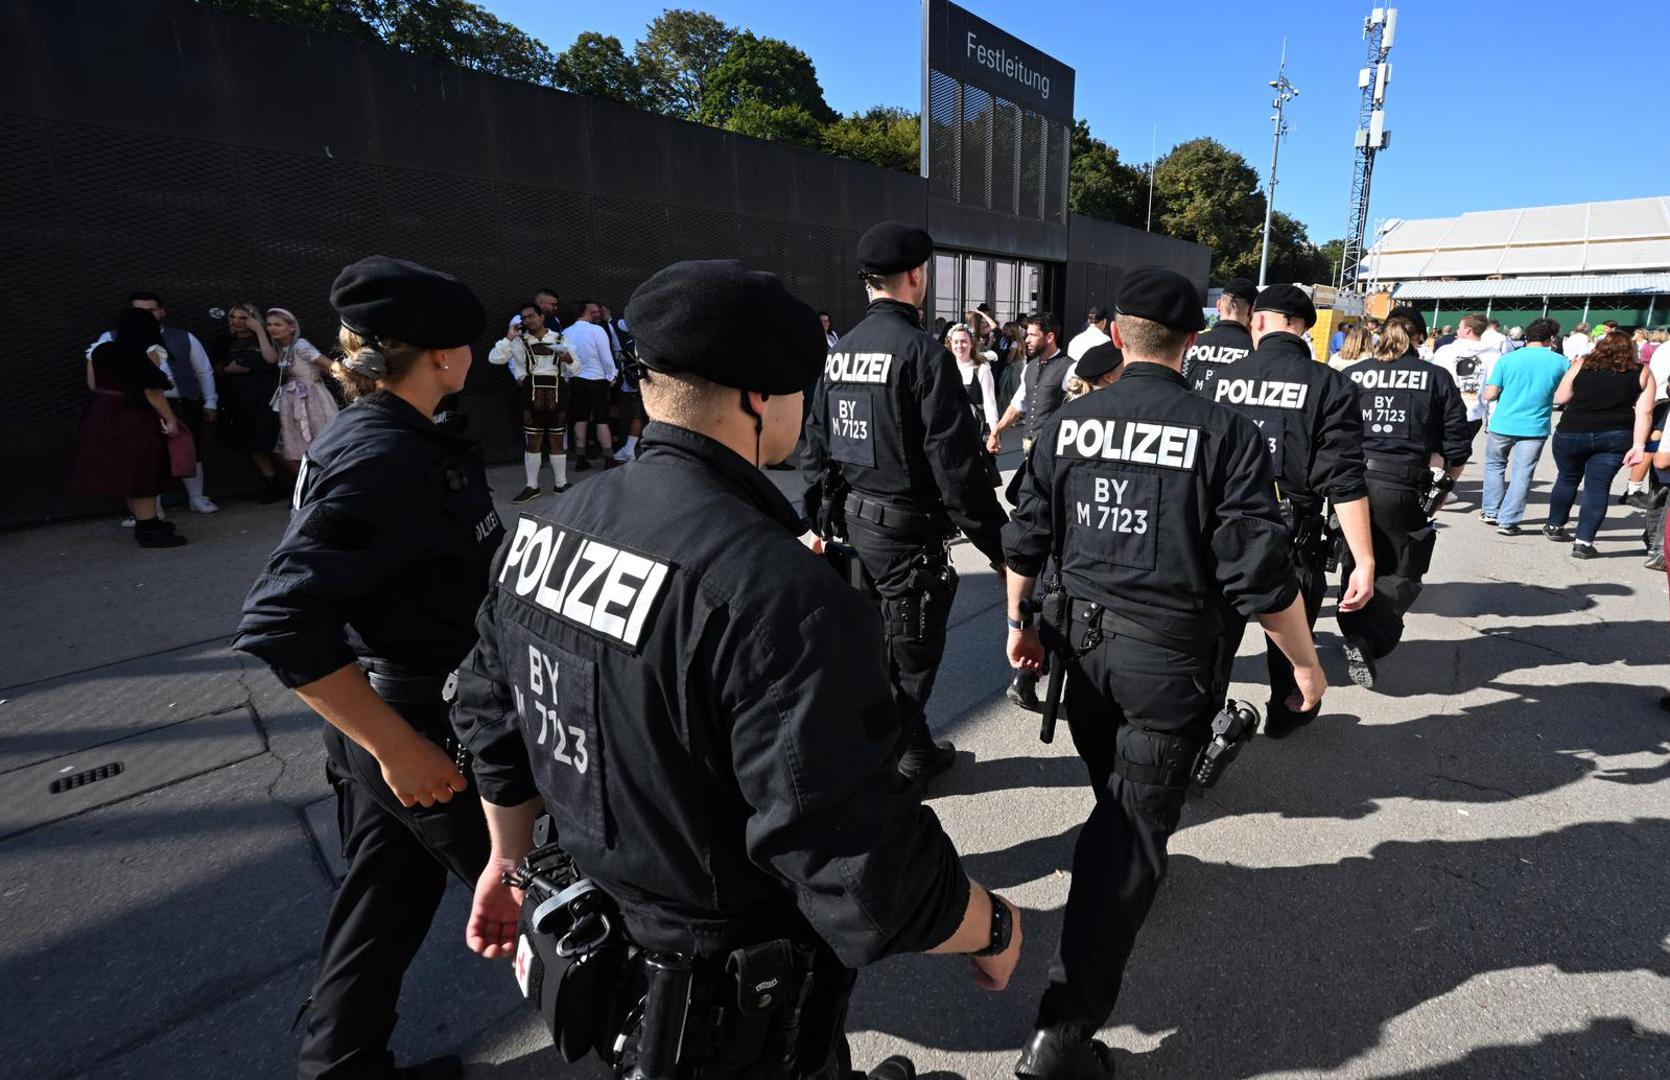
point(1476, 122)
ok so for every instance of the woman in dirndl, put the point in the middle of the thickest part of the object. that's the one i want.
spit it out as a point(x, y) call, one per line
point(305, 404)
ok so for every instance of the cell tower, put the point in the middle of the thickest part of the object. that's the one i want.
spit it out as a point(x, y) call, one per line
point(1372, 137)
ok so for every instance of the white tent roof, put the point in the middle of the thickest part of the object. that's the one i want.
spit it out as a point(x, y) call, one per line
point(1565, 285)
point(1627, 235)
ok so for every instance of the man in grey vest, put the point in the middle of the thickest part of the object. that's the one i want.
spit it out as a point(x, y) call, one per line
point(193, 396)
point(1042, 390)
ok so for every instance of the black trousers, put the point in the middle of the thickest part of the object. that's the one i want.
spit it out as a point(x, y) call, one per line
point(398, 860)
point(912, 659)
point(1150, 707)
point(1403, 542)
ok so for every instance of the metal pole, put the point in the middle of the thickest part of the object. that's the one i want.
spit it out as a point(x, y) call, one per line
point(1284, 93)
point(1153, 146)
point(1652, 302)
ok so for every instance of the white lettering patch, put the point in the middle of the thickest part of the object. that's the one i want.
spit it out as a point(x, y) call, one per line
point(1142, 442)
point(591, 584)
point(1269, 394)
point(858, 367)
point(1394, 379)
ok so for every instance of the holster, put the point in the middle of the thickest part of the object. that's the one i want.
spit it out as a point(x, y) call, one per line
point(924, 610)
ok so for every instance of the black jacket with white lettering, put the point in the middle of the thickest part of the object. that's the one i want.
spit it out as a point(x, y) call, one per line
point(704, 706)
point(1160, 505)
point(891, 413)
point(1411, 410)
point(1224, 344)
point(385, 557)
point(1307, 413)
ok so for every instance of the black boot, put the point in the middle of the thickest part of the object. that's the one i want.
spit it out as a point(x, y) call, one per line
point(1023, 691)
point(897, 1067)
point(923, 758)
point(1052, 1054)
point(1280, 721)
point(156, 534)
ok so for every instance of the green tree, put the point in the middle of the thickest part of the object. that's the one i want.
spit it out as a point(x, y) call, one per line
point(679, 49)
point(1100, 185)
point(766, 71)
point(331, 16)
point(1333, 251)
point(1206, 192)
point(882, 135)
point(462, 33)
point(1293, 257)
point(597, 65)
point(777, 123)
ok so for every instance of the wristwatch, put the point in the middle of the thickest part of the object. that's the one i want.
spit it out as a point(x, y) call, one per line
point(1003, 927)
point(1025, 621)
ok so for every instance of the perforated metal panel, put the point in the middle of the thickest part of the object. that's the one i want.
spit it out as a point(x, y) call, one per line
point(1006, 148)
point(977, 147)
point(1055, 174)
point(945, 122)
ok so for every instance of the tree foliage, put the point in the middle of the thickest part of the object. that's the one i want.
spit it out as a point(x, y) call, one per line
point(1332, 251)
point(776, 123)
point(1292, 256)
point(597, 65)
point(680, 48)
point(1100, 185)
point(770, 75)
point(882, 135)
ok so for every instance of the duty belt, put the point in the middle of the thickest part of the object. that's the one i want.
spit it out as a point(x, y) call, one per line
point(1402, 468)
point(895, 519)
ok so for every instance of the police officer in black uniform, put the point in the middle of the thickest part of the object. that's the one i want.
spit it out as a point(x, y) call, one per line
point(1230, 340)
point(1160, 508)
point(892, 448)
point(364, 609)
point(702, 705)
point(1417, 437)
point(1308, 416)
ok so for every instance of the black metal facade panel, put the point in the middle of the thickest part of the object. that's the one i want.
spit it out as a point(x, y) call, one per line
point(694, 167)
point(975, 229)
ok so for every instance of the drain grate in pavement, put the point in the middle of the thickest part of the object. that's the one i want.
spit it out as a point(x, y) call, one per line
point(83, 778)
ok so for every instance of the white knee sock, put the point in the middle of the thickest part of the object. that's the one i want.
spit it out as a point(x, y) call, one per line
point(631, 445)
point(559, 466)
point(194, 484)
point(1636, 485)
point(530, 466)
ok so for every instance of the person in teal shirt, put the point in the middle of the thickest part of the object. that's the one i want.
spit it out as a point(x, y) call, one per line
point(1521, 389)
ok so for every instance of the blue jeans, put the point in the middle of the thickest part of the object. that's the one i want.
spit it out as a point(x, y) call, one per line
point(1594, 458)
point(1504, 500)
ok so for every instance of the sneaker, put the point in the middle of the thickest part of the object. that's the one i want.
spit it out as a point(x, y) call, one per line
point(526, 495)
point(622, 456)
point(557, 489)
point(1640, 500)
point(1655, 561)
point(1580, 550)
point(923, 763)
point(1555, 532)
point(1488, 519)
point(1507, 530)
point(156, 534)
point(203, 505)
point(1359, 664)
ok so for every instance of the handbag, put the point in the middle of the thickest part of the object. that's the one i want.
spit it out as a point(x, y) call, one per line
point(182, 453)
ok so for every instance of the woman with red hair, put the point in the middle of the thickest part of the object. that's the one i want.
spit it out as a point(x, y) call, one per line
point(1608, 398)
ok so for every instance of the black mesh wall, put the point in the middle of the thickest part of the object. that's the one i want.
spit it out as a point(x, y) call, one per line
point(212, 180)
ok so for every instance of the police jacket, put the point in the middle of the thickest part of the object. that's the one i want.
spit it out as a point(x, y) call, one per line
point(1411, 410)
point(385, 557)
point(1224, 344)
point(1307, 413)
point(1160, 506)
point(891, 414)
point(704, 706)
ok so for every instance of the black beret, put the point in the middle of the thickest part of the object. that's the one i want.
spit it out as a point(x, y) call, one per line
point(734, 326)
point(1098, 360)
point(1162, 296)
point(1287, 300)
point(892, 247)
point(1412, 315)
point(1241, 288)
point(383, 298)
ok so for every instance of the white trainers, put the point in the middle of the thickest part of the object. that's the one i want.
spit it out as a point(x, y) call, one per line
point(204, 505)
point(622, 456)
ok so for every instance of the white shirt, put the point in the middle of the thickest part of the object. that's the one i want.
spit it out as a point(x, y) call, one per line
point(199, 363)
point(1659, 365)
point(1018, 402)
point(1469, 360)
point(1495, 339)
point(1085, 340)
point(514, 354)
point(988, 388)
point(590, 345)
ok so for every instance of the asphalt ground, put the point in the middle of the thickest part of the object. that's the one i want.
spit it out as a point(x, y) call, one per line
point(1461, 874)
